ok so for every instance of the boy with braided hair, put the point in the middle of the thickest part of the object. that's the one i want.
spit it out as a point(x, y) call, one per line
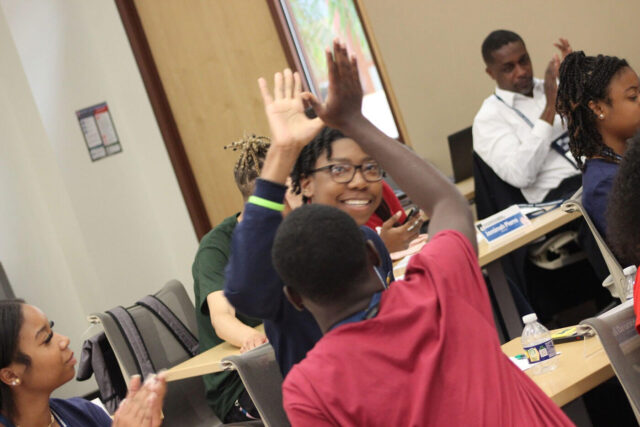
point(216, 318)
point(599, 98)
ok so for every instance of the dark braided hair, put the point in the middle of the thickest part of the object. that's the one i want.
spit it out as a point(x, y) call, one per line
point(253, 150)
point(11, 320)
point(623, 209)
point(583, 79)
point(309, 155)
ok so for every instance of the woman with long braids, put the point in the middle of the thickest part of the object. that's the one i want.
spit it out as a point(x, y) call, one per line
point(599, 97)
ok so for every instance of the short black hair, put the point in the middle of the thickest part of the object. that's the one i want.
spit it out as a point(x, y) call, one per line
point(320, 252)
point(495, 40)
point(11, 320)
point(306, 162)
point(623, 209)
point(584, 79)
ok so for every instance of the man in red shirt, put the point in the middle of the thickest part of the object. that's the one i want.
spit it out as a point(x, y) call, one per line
point(423, 352)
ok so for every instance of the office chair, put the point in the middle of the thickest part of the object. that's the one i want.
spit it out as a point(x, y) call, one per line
point(619, 279)
point(262, 379)
point(185, 403)
point(617, 333)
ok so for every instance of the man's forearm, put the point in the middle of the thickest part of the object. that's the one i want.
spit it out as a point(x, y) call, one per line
point(548, 114)
point(422, 182)
point(278, 163)
point(230, 329)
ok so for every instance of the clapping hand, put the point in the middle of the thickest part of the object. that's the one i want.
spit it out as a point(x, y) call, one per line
point(143, 405)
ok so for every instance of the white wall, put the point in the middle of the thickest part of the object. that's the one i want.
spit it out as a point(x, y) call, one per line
point(78, 236)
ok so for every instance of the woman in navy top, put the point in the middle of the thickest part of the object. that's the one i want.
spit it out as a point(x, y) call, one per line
point(599, 97)
point(35, 360)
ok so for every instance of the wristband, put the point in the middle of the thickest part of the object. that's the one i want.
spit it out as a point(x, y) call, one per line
point(266, 203)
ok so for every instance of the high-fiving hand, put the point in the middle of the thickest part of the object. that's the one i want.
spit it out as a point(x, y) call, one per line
point(290, 127)
point(344, 100)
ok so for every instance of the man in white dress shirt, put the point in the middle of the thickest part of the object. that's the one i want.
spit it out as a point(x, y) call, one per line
point(517, 131)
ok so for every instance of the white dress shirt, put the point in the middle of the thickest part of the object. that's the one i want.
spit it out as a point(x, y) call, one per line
point(520, 154)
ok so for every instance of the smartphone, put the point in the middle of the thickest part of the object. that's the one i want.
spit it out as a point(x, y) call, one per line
point(412, 212)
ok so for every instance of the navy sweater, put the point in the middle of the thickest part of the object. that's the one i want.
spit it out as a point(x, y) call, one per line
point(254, 288)
point(597, 180)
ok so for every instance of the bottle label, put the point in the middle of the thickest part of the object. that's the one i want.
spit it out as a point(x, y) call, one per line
point(540, 352)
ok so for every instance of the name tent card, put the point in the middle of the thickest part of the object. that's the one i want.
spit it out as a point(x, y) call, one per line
point(502, 223)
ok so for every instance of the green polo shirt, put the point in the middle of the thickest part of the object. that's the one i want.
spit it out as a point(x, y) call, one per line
point(222, 388)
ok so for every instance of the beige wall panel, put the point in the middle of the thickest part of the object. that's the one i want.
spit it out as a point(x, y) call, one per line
point(209, 55)
point(431, 50)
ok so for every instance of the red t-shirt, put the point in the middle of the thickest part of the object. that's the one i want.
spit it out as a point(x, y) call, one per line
point(430, 357)
point(393, 203)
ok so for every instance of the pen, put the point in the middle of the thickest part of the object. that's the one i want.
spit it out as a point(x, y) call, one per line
point(520, 356)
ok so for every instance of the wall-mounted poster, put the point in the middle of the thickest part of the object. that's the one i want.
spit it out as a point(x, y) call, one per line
point(99, 132)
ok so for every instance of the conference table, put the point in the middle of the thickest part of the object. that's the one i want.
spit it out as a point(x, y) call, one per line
point(582, 365)
point(489, 255)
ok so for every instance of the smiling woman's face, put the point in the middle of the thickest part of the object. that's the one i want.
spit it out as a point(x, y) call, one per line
point(52, 362)
point(357, 198)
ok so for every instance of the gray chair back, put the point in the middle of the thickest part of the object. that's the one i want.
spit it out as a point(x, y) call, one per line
point(262, 379)
point(185, 403)
point(619, 279)
point(617, 333)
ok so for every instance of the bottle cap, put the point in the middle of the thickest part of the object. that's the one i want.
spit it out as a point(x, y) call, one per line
point(531, 317)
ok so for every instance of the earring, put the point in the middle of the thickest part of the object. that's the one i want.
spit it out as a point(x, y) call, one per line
point(16, 381)
point(601, 116)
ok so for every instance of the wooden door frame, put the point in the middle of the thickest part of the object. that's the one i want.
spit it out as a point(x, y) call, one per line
point(164, 116)
point(291, 54)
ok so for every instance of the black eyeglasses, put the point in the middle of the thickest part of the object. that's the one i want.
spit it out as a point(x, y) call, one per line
point(343, 173)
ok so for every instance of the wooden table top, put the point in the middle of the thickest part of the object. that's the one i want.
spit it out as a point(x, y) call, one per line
point(467, 187)
point(488, 252)
point(582, 365)
point(207, 362)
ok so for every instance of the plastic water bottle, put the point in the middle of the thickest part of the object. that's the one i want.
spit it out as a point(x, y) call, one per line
point(630, 274)
point(537, 344)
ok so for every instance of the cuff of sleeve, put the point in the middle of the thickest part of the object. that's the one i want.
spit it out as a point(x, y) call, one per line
point(542, 130)
point(269, 191)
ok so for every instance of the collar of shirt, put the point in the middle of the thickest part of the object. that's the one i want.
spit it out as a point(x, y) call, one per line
point(510, 98)
point(368, 313)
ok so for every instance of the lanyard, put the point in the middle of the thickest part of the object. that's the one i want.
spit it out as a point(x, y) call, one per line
point(518, 112)
point(368, 313)
point(559, 145)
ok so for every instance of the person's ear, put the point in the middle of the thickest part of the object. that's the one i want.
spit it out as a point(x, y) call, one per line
point(9, 377)
point(373, 254)
point(598, 109)
point(307, 186)
point(490, 72)
point(294, 298)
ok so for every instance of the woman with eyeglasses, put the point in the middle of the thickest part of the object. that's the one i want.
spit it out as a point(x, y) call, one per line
point(35, 360)
point(327, 172)
point(329, 169)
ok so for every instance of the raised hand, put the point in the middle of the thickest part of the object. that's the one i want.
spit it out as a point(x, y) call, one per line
point(564, 47)
point(344, 101)
point(285, 111)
